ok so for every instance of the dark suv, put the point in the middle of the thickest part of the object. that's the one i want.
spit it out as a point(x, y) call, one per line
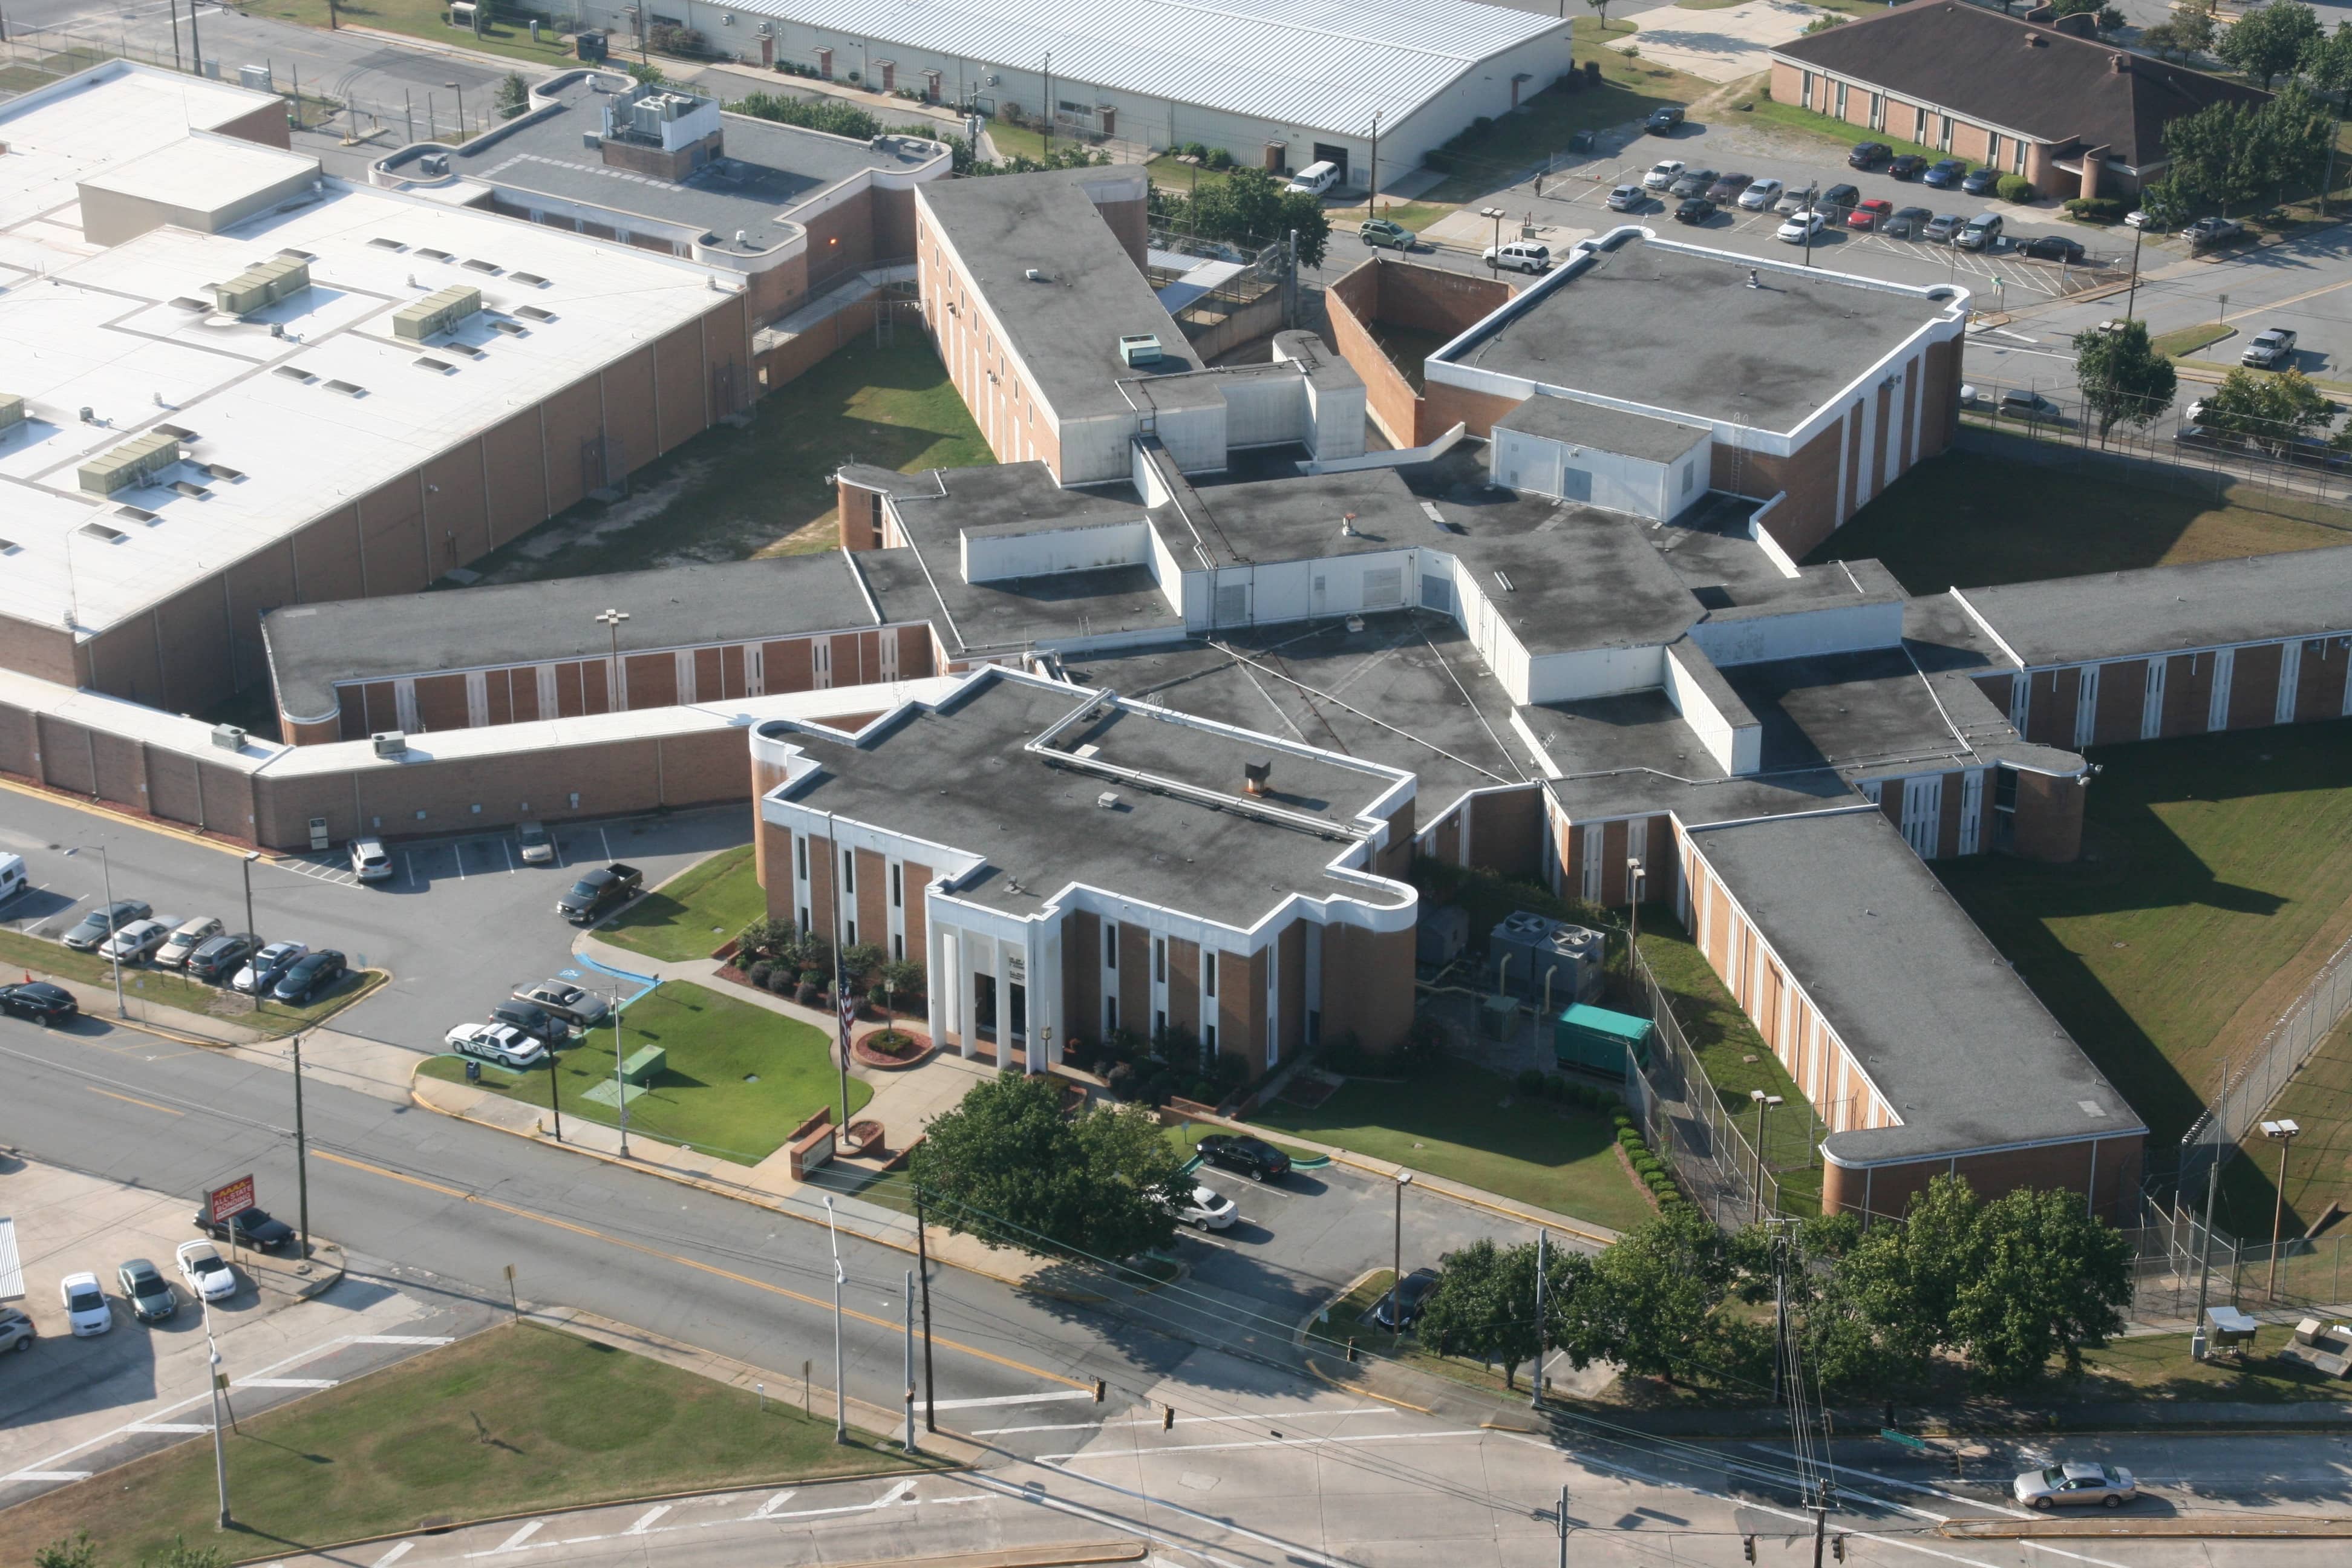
point(222, 956)
point(1868, 154)
point(311, 974)
point(1253, 1157)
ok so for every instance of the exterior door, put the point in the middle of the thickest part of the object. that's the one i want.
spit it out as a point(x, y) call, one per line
point(1922, 812)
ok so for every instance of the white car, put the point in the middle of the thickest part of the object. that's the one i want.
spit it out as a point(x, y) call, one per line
point(135, 941)
point(538, 847)
point(1762, 196)
point(501, 1043)
point(190, 936)
point(207, 1273)
point(370, 861)
point(1520, 256)
point(1207, 1208)
point(86, 1313)
point(1664, 172)
point(1801, 226)
point(263, 969)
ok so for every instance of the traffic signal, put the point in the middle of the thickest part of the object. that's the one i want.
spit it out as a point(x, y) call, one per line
point(1837, 1547)
point(1100, 1389)
point(1167, 1417)
point(1747, 1546)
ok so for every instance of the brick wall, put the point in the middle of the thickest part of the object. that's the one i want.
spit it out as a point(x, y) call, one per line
point(2049, 819)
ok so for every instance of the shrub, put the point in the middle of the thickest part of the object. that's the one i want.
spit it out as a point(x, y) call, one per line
point(1531, 1082)
point(1629, 1139)
point(1622, 1121)
point(2014, 188)
point(1558, 1089)
point(1121, 1079)
point(2099, 209)
point(760, 975)
point(1218, 158)
point(1200, 1091)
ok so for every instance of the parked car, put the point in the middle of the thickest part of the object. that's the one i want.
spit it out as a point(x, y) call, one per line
point(1978, 182)
point(582, 1009)
point(2076, 1485)
point(1666, 119)
point(1907, 167)
point(1727, 187)
point(2210, 231)
point(268, 967)
point(139, 940)
point(1838, 201)
point(1868, 154)
point(250, 1227)
point(16, 1331)
point(1793, 200)
point(205, 1272)
point(1801, 226)
point(2053, 248)
point(86, 1313)
point(2271, 349)
point(1376, 232)
point(1693, 183)
point(1868, 214)
point(39, 1001)
point(2140, 218)
point(1944, 228)
point(1313, 180)
point(1408, 1298)
point(1699, 209)
point(1253, 1157)
point(532, 1019)
point(1664, 172)
point(501, 1043)
point(1909, 223)
point(1981, 232)
point(371, 862)
point(1628, 199)
point(94, 928)
point(608, 886)
point(1944, 172)
point(185, 938)
point(311, 973)
point(1760, 195)
point(222, 956)
point(2029, 406)
point(1206, 1208)
point(538, 846)
point(149, 1294)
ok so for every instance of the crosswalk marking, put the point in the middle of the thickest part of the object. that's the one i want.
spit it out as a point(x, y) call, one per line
point(772, 1505)
point(177, 1427)
point(394, 1555)
point(286, 1382)
point(646, 1520)
point(512, 1542)
point(1015, 1399)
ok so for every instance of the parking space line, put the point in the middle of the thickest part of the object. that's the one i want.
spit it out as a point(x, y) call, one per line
point(504, 849)
point(608, 845)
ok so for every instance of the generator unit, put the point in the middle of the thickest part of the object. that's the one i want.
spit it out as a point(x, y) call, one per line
point(1526, 948)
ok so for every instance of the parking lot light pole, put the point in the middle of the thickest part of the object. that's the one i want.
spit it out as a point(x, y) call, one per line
point(250, 856)
point(220, 1456)
point(1633, 876)
point(620, 1083)
point(122, 1009)
point(1396, 1275)
point(554, 1104)
point(1763, 1102)
point(1813, 217)
point(611, 621)
point(2284, 1133)
point(301, 1161)
point(1494, 255)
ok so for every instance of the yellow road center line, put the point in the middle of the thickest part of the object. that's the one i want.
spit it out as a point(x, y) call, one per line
point(133, 1100)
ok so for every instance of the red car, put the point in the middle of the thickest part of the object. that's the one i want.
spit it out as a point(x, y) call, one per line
point(1870, 213)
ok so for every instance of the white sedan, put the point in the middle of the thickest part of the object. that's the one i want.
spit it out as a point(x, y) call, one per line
point(86, 1313)
point(207, 1274)
point(2076, 1485)
point(1760, 196)
point(1206, 1208)
point(1801, 227)
point(501, 1043)
point(1663, 174)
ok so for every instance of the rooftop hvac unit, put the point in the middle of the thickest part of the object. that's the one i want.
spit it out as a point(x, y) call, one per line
point(390, 743)
point(1139, 348)
point(1524, 948)
point(254, 78)
point(1443, 934)
point(229, 737)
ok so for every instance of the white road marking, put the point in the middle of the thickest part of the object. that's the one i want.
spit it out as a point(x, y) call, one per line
point(1118, 1522)
point(395, 1554)
point(894, 1494)
point(1193, 1420)
point(2001, 1508)
point(403, 1339)
point(1268, 1442)
point(48, 1476)
point(286, 1382)
point(1015, 1399)
point(646, 1520)
point(509, 854)
point(174, 1426)
point(772, 1505)
point(512, 1542)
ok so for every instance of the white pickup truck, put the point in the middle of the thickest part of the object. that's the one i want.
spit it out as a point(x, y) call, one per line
point(2271, 349)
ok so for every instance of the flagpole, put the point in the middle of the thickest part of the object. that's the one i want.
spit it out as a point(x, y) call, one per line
point(840, 991)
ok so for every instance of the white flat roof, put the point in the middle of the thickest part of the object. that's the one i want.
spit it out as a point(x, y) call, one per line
point(62, 133)
point(107, 330)
point(202, 172)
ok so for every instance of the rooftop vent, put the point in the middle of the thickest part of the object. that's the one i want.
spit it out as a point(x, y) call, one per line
point(1136, 348)
point(390, 743)
point(531, 279)
point(1107, 800)
point(229, 737)
point(1347, 525)
point(223, 472)
point(298, 254)
point(186, 303)
point(10, 547)
point(438, 366)
point(1254, 776)
point(509, 328)
point(102, 534)
point(534, 312)
point(294, 372)
point(1503, 581)
point(136, 513)
point(435, 165)
point(1034, 275)
point(385, 242)
point(177, 432)
point(192, 490)
point(429, 251)
point(478, 265)
point(348, 388)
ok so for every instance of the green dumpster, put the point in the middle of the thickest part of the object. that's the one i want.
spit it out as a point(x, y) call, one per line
point(1599, 1040)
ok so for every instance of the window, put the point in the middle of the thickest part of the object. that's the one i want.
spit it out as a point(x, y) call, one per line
point(1209, 973)
point(2016, 157)
point(1209, 1039)
point(1841, 100)
point(1918, 124)
point(1111, 944)
point(1944, 136)
point(1805, 90)
point(897, 901)
point(800, 846)
point(1878, 113)
point(1159, 961)
point(1993, 148)
point(804, 920)
point(849, 934)
point(1110, 1014)
point(899, 949)
point(1690, 476)
point(848, 871)
point(2004, 789)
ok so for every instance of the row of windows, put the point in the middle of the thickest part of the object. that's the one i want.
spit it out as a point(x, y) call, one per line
point(1831, 97)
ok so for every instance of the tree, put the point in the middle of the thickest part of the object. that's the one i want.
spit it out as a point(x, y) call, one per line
point(1904, 1279)
point(1600, 9)
point(2045, 1279)
point(2272, 411)
point(830, 115)
point(2124, 379)
point(1247, 207)
point(2192, 25)
point(514, 94)
point(2269, 42)
point(899, 979)
point(862, 960)
point(647, 72)
point(81, 1551)
point(1649, 1305)
point(2108, 18)
point(1007, 1167)
point(2215, 156)
point(2328, 63)
point(1484, 1305)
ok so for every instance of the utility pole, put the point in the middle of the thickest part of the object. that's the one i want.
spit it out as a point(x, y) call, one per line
point(1633, 879)
point(1543, 1239)
point(220, 1456)
point(1372, 185)
point(910, 1361)
point(1049, 103)
point(1563, 1525)
point(2205, 1242)
point(1812, 217)
point(1396, 1275)
point(840, 1390)
point(554, 1104)
point(2131, 298)
point(841, 1014)
point(1779, 1309)
point(176, 63)
point(301, 1160)
point(121, 1008)
point(923, 1268)
point(195, 48)
point(250, 856)
point(620, 1083)
point(1821, 1519)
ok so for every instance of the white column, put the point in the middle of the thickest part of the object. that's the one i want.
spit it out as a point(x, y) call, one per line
point(949, 978)
point(1046, 993)
point(936, 974)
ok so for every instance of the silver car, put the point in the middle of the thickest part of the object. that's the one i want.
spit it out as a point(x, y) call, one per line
point(1762, 196)
point(2076, 1484)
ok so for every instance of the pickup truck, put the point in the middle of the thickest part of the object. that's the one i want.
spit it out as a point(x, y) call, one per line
point(2271, 350)
point(599, 890)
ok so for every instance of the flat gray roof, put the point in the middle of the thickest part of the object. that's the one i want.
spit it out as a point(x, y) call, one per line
point(1669, 327)
point(1964, 1052)
point(2166, 609)
point(958, 776)
point(1065, 324)
point(313, 647)
point(1582, 424)
point(1014, 612)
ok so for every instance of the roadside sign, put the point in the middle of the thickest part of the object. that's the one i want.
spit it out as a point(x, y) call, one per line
point(12, 1273)
point(235, 1197)
point(1904, 1439)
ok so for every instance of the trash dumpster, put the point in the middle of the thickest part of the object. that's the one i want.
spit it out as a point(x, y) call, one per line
point(1599, 1040)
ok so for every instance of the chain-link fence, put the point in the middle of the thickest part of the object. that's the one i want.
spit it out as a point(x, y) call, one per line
point(1684, 1118)
point(2169, 1255)
point(2252, 1082)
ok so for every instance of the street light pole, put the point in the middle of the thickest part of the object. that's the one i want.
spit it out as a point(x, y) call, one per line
point(553, 1103)
point(1763, 1102)
point(220, 1456)
point(840, 1392)
point(250, 856)
point(1396, 1274)
point(122, 1009)
point(2131, 298)
point(1495, 254)
point(1634, 875)
point(301, 1161)
point(910, 1362)
point(1812, 217)
point(1535, 1397)
point(2284, 1133)
point(923, 1268)
point(620, 1082)
point(611, 621)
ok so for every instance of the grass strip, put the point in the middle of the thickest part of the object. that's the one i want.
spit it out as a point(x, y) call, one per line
point(694, 912)
point(39, 956)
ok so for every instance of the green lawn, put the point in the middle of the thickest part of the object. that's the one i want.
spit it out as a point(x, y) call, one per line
point(424, 20)
point(1455, 1125)
point(2188, 340)
point(1829, 128)
point(517, 1418)
point(695, 911)
point(1967, 520)
point(727, 493)
point(2216, 875)
point(1348, 1319)
point(2158, 1367)
point(738, 1078)
point(2319, 1166)
point(165, 989)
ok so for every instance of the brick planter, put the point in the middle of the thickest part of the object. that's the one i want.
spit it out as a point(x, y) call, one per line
point(880, 1063)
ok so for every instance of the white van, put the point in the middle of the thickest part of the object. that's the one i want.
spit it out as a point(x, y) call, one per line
point(13, 879)
point(1315, 179)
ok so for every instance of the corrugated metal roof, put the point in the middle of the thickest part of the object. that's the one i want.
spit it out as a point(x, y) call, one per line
point(1329, 64)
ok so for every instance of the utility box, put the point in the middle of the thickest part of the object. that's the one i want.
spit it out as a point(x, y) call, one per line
point(1498, 1017)
point(12, 411)
point(1526, 949)
point(436, 312)
point(1139, 349)
point(589, 45)
point(1442, 935)
point(1601, 1041)
point(261, 285)
point(133, 463)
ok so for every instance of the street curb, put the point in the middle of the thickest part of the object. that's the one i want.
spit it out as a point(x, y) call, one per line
point(383, 977)
point(2205, 1528)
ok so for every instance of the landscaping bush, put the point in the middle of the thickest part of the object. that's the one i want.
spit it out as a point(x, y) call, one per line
point(1202, 1092)
point(2014, 188)
point(1220, 159)
point(760, 975)
point(1559, 1090)
point(2098, 209)
point(1531, 1082)
point(1122, 1079)
point(667, 39)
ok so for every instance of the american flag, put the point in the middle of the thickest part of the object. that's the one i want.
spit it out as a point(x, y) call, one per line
point(845, 1004)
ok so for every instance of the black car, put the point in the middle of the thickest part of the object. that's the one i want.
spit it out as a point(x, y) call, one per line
point(251, 1228)
point(1699, 209)
point(311, 974)
point(1909, 223)
point(2053, 248)
point(1693, 183)
point(1978, 181)
point(1838, 201)
point(1407, 1297)
point(38, 1000)
point(1253, 1157)
point(222, 956)
point(1665, 120)
point(532, 1020)
point(1908, 166)
point(1868, 154)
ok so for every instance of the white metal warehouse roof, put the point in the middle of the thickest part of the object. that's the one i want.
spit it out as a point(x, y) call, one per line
point(1329, 64)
